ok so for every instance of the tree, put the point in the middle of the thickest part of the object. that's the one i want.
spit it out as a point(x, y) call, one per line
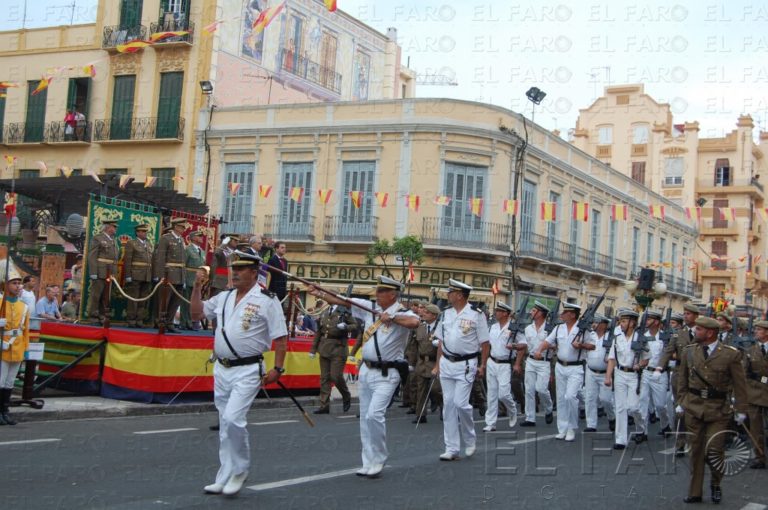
point(409, 250)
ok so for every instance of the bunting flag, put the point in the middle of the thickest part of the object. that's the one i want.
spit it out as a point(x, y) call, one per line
point(67, 172)
point(742, 258)
point(94, 176)
point(234, 187)
point(264, 190)
point(619, 212)
point(476, 206)
point(159, 36)
point(330, 5)
point(296, 194)
point(581, 211)
point(43, 167)
point(693, 213)
point(512, 207)
point(177, 178)
point(125, 180)
point(90, 70)
point(325, 195)
point(764, 213)
point(357, 198)
point(381, 198)
point(441, 200)
point(548, 211)
point(265, 18)
point(412, 202)
point(132, 47)
point(9, 160)
point(213, 26)
point(149, 181)
point(756, 259)
point(495, 287)
point(42, 85)
point(411, 272)
point(10, 204)
point(8, 84)
point(656, 211)
point(727, 213)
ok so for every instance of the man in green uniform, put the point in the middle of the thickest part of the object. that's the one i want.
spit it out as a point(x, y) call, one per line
point(102, 261)
point(756, 365)
point(169, 264)
point(220, 278)
point(137, 267)
point(194, 257)
point(426, 352)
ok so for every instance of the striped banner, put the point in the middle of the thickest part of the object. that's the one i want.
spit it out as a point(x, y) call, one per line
point(581, 211)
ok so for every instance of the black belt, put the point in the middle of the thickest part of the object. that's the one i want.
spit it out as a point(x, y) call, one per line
point(597, 371)
point(570, 363)
point(428, 358)
point(543, 358)
point(653, 369)
point(237, 362)
point(381, 365)
point(507, 360)
point(463, 357)
point(707, 394)
point(626, 369)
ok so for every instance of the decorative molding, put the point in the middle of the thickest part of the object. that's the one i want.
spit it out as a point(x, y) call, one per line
point(170, 62)
point(124, 63)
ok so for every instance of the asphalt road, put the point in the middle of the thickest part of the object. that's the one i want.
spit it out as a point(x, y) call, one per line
point(163, 462)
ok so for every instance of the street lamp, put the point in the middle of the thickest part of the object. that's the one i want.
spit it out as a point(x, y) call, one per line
point(207, 87)
point(645, 289)
point(536, 96)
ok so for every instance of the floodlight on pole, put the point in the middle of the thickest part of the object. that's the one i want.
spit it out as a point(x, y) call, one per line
point(535, 95)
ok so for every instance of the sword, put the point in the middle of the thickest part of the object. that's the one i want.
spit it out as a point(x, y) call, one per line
point(758, 446)
point(205, 368)
point(424, 407)
point(303, 412)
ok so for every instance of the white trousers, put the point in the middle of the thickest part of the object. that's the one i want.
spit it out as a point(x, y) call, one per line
point(234, 389)
point(456, 381)
point(568, 381)
point(653, 394)
point(537, 374)
point(498, 377)
point(627, 402)
point(596, 394)
point(8, 372)
point(375, 392)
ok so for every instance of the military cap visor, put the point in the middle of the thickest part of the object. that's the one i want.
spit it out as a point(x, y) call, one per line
point(196, 233)
point(631, 314)
point(707, 323)
point(691, 308)
point(178, 221)
point(242, 259)
point(387, 283)
point(571, 307)
point(141, 228)
point(725, 316)
point(677, 317)
point(541, 306)
point(433, 309)
point(761, 324)
point(653, 314)
point(601, 318)
point(109, 222)
point(454, 285)
point(503, 307)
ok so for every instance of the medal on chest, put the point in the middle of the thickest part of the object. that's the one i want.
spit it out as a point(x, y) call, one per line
point(465, 326)
point(249, 313)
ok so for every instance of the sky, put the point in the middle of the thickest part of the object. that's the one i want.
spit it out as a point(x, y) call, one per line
point(707, 59)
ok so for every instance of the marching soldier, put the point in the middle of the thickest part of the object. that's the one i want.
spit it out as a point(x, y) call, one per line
point(14, 324)
point(335, 326)
point(169, 264)
point(408, 389)
point(426, 349)
point(709, 372)
point(137, 264)
point(194, 258)
point(220, 278)
point(102, 261)
point(499, 375)
point(654, 387)
point(596, 394)
point(537, 372)
point(756, 361)
point(726, 328)
point(676, 320)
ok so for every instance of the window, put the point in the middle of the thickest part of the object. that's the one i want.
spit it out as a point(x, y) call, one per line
point(662, 253)
point(164, 177)
point(594, 243)
point(122, 108)
point(462, 183)
point(722, 172)
point(328, 62)
point(622, 99)
point(635, 247)
point(717, 219)
point(575, 230)
point(115, 171)
point(640, 134)
point(293, 48)
point(237, 208)
point(528, 211)
point(675, 270)
point(605, 135)
point(358, 176)
point(720, 248)
point(29, 173)
point(294, 216)
point(361, 70)
point(683, 273)
point(553, 227)
point(638, 172)
point(130, 13)
point(612, 242)
point(673, 171)
point(649, 249)
point(169, 105)
point(35, 119)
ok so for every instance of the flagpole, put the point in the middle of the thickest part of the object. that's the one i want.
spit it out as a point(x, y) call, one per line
point(8, 255)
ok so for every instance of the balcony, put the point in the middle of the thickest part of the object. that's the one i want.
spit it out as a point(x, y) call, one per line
point(551, 250)
point(731, 186)
point(719, 228)
point(170, 24)
point(476, 236)
point(639, 149)
point(345, 229)
point(679, 285)
point(115, 35)
point(603, 151)
point(146, 129)
point(240, 223)
point(21, 132)
point(284, 229)
point(311, 71)
point(56, 133)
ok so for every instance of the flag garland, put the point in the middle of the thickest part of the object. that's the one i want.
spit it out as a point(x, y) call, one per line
point(441, 200)
point(548, 211)
point(656, 211)
point(234, 187)
point(619, 212)
point(476, 206)
point(693, 213)
point(511, 207)
point(412, 202)
point(265, 18)
point(324, 194)
point(149, 181)
point(42, 84)
point(382, 198)
point(264, 190)
point(727, 213)
point(330, 5)
point(67, 172)
point(581, 211)
point(296, 194)
point(357, 198)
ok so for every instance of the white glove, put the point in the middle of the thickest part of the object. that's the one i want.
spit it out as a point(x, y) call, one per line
point(312, 355)
point(352, 359)
point(341, 325)
point(435, 343)
point(411, 368)
point(679, 410)
point(740, 418)
point(3, 323)
point(128, 279)
point(94, 277)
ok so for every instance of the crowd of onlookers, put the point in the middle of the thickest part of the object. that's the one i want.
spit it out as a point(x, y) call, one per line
point(52, 304)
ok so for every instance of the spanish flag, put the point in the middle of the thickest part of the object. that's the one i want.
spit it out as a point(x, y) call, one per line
point(382, 198)
point(476, 206)
point(442, 200)
point(411, 272)
point(132, 47)
point(548, 211)
point(234, 187)
point(43, 167)
point(693, 213)
point(764, 213)
point(90, 70)
point(357, 198)
point(10, 204)
point(512, 207)
point(159, 36)
point(330, 5)
point(67, 172)
point(10, 160)
point(324, 194)
point(412, 202)
point(495, 287)
point(296, 194)
point(581, 211)
point(125, 180)
point(149, 181)
point(756, 259)
point(619, 212)
point(42, 85)
point(266, 17)
point(213, 26)
point(727, 213)
point(656, 211)
point(264, 190)
point(7, 84)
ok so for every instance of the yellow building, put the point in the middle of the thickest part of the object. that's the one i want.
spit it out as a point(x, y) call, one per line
point(633, 133)
point(139, 113)
point(434, 148)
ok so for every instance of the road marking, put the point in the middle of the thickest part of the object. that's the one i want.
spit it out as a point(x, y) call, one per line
point(164, 431)
point(302, 479)
point(753, 506)
point(348, 417)
point(277, 422)
point(532, 439)
point(30, 441)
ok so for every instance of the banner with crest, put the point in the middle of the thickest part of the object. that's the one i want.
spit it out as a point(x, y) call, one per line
point(207, 225)
point(128, 215)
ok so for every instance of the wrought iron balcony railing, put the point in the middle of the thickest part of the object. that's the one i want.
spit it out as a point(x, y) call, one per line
point(144, 128)
point(311, 71)
point(282, 228)
point(116, 34)
point(56, 132)
point(173, 25)
point(239, 223)
point(480, 235)
point(23, 132)
point(343, 228)
point(546, 248)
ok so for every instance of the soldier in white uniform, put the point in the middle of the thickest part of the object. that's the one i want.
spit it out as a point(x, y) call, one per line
point(463, 336)
point(537, 371)
point(654, 386)
point(498, 377)
point(596, 393)
point(623, 369)
point(248, 321)
point(569, 371)
point(384, 339)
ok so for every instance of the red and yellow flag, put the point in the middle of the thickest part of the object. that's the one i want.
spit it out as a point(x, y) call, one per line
point(234, 187)
point(619, 212)
point(149, 181)
point(330, 5)
point(412, 202)
point(67, 172)
point(177, 178)
point(476, 206)
point(159, 36)
point(727, 213)
point(296, 194)
point(125, 180)
point(324, 194)
point(90, 70)
point(693, 213)
point(411, 272)
point(495, 287)
point(548, 211)
point(42, 85)
point(656, 211)
point(43, 167)
point(357, 198)
point(264, 190)
point(441, 200)
point(581, 211)
point(266, 17)
point(9, 160)
point(512, 207)
point(8, 84)
point(213, 26)
point(132, 46)
point(10, 204)
point(382, 198)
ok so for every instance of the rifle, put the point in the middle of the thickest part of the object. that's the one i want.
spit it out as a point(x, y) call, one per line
point(520, 322)
point(639, 345)
point(666, 329)
point(343, 309)
point(608, 341)
point(552, 319)
point(585, 321)
point(745, 342)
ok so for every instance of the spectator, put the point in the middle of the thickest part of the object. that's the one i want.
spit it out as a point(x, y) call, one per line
point(77, 274)
point(47, 307)
point(309, 324)
point(279, 282)
point(28, 293)
point(79, 125)
point(71, 308)
point(69, 125)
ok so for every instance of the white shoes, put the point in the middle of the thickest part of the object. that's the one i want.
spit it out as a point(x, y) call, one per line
point(489, 428)
point(375, 470)
point(470, 451)
point(448, 456)
point(214, 488)
point(363, 471)
point(512, 417)
point(560, 437)
point(570, 435)
point(234, 484)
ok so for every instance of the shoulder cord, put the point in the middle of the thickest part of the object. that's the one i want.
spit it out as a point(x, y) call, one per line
point(223, 323)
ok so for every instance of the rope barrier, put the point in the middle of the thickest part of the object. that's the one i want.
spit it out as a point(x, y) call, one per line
point(136, 300)
point(173, 288)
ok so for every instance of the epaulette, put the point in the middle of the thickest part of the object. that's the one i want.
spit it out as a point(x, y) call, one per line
point(730, 347)
point(475, 308)
point(266, 292)
point(690, 345)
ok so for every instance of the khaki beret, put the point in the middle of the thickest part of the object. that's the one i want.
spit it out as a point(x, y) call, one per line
point(434, 309)
point(761, 324)
point(725, 316)
point(708, 323)
point(690, 307)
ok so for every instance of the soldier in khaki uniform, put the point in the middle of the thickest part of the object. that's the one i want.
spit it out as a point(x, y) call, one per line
point(709, 372)
point(220, 278)
point(194, 258)
point(408, 387)
point(426, 352)
point(334, 328)
point(756, 366)
point(102, 261)
point(137, 265)
point(727, 325)
point(169, 264)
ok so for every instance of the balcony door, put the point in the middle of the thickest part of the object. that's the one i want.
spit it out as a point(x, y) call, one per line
point(35, 119)
point(358, 176)
point(462, 184)
point(169, 105)
point(130, 13)
point(294, 215)
point(717, 219)
point(238, 207)
point(122, 108)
